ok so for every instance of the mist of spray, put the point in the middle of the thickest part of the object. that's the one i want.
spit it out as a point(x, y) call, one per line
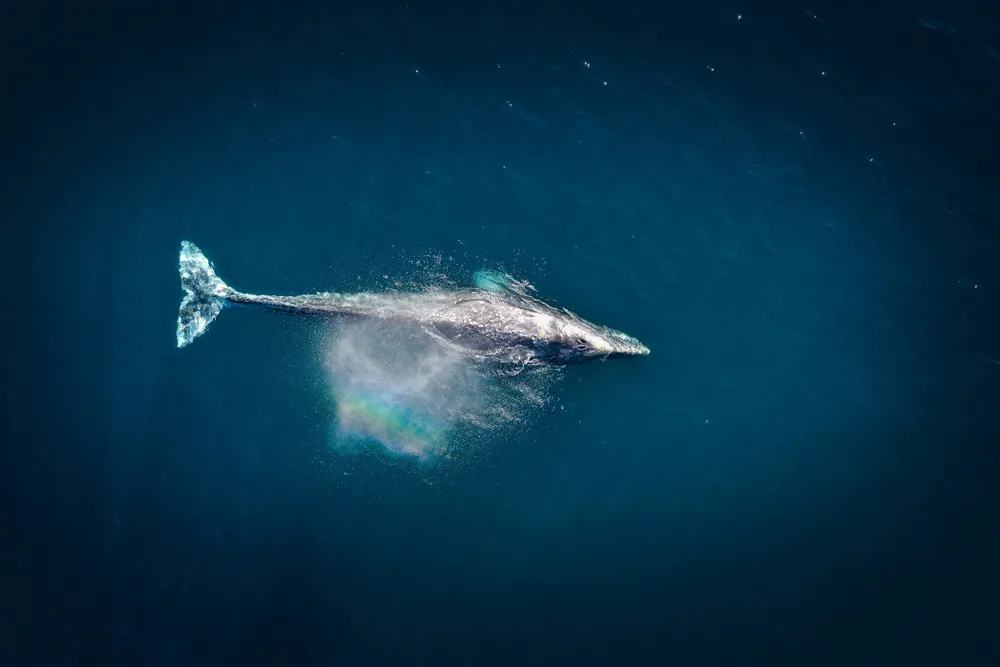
point(398, 386)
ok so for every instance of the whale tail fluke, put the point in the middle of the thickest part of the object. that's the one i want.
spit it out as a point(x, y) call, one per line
point(205, 294)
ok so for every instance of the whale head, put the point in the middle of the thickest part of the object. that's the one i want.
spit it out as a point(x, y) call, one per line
point(582, 341)
point(565, 338)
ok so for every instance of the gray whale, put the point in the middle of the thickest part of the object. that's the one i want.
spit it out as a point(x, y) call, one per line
point(495, 321)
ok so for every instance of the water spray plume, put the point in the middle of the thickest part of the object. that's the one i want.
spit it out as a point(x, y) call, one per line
point(399, 386)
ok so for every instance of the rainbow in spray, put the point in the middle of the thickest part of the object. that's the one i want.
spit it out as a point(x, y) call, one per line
point(392, 421)
point(398, 386)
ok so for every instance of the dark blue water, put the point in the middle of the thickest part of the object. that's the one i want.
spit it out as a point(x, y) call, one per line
point(794, 207)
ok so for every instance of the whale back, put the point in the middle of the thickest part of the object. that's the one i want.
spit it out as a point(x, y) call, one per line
point(484, 324)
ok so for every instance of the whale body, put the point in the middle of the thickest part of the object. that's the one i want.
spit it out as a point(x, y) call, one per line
point(495, 321)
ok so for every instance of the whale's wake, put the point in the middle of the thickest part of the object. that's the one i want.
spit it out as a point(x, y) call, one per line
point(397, 386)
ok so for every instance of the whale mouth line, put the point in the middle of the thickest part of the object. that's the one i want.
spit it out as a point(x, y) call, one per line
point(639, 351)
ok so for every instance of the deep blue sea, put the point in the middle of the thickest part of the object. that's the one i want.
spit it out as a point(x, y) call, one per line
point(794, 206)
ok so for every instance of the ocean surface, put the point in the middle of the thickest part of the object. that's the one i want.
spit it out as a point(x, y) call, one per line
point(795, 207)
